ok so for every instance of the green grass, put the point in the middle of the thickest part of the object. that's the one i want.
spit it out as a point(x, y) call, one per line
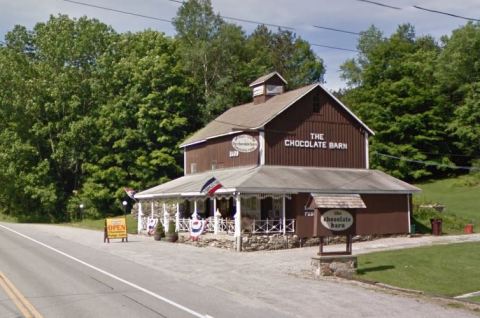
point(99, 224)
point(475, 299)
point(461, 198)
point(448, 270)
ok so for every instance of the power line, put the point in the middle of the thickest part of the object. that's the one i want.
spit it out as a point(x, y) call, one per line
point(333, 47)
point(119, 11)
point(427, 163)
point(178, 1)
point(446, 13)
point(381, 4)
point(245, 20)
point(336, 30)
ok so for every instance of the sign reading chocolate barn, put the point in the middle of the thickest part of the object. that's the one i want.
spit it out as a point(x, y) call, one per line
point(336, 220)
point(284, 160)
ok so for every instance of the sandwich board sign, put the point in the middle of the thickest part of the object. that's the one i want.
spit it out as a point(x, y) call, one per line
point(115, 228)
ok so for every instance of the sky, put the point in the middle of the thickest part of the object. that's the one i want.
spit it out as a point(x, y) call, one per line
point(301, 15)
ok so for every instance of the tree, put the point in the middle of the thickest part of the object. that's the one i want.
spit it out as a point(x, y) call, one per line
point(148, 108)
point(393, 93)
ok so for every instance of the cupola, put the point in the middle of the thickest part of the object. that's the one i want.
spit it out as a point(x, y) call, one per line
point(267, 86)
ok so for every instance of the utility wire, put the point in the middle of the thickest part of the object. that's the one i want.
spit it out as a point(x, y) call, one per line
point(334, 47)
point(245, 20)
point(427, 163)
point(336, 30)
point(446, 13)
point(178, 1)
point(119, 11)
point(380, 4)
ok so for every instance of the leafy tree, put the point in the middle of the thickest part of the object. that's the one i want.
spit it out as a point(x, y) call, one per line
point(222, 59)
point(148, 107)
point(393, 92)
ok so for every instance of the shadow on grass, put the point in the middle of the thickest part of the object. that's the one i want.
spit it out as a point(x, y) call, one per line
point(363, 271)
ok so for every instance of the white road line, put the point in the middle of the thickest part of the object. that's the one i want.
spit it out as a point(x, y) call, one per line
point(126, 282)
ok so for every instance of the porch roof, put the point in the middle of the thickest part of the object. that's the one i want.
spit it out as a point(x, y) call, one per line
point(282, 179)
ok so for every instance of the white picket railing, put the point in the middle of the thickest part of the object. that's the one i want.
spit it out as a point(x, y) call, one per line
point(228, 225)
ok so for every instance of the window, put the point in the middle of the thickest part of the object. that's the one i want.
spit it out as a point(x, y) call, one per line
point(316, 103)
point(193, 167)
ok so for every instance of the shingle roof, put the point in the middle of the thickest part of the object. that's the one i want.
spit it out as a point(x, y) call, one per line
point(247, 116)
point(251, 116)
point(283, 179)
point(338, 201)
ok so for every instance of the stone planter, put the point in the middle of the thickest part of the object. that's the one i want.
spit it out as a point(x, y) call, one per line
point(157, 237)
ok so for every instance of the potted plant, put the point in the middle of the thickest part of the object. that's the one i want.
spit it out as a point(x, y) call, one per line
point(172, 235)
point(159, 232)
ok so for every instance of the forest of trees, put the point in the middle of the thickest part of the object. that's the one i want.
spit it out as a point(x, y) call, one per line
point(86, 111)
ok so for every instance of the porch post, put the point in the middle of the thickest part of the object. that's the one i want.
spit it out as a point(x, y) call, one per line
point(215, 217)
point(165, 217)
point(177, 218)
point(195, 209)
point(140, 216)
point(152, 208)
point(284, 221)
point(238, 224)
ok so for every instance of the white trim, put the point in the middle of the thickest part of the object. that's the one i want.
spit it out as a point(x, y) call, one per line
point(284, 221)
point(367, 154)
point(140, 215)
point(212, 137)
point(261, 149)
point(185, 161)
point(408, 205)
point(238, 216)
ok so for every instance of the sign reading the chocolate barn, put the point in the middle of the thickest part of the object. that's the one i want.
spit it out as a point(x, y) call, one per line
point(317, 140)
point(336, 220)
point(244, 143)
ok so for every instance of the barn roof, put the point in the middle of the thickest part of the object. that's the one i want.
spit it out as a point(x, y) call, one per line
point(255, 116)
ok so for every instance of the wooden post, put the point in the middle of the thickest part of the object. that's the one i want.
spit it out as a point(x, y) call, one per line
point(165, 217)
point(152, 208)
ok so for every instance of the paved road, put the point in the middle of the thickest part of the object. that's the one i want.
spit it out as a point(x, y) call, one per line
point(139, 278)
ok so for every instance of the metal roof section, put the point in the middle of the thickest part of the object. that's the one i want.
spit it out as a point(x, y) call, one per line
point(265, 78)
point(251, 116)
point(338, 201)
point(284, 179)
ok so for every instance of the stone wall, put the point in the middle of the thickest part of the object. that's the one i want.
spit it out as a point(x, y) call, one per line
point(338, 265)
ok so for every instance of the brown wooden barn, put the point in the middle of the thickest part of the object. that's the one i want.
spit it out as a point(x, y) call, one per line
point(272, 156)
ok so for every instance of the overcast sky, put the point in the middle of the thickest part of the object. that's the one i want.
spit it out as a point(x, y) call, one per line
point(351, 15)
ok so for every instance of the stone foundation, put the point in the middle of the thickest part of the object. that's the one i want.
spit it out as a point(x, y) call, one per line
point(258, 242)
point(334, 265)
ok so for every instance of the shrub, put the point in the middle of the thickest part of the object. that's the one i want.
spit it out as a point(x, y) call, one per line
point(159, 229)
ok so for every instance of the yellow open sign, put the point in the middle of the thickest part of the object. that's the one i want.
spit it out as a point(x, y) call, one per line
point(115, 228)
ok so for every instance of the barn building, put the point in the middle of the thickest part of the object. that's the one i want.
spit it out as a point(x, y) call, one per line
point(278, 158)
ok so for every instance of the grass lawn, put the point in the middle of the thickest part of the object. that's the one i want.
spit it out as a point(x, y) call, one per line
point(448, 270)
point(99, 224)
point(459, 198)
point(475, 299)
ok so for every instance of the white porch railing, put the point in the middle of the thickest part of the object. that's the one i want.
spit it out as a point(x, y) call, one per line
point(227, 226)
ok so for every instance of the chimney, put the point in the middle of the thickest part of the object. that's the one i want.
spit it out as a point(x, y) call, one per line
point(267, 86)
